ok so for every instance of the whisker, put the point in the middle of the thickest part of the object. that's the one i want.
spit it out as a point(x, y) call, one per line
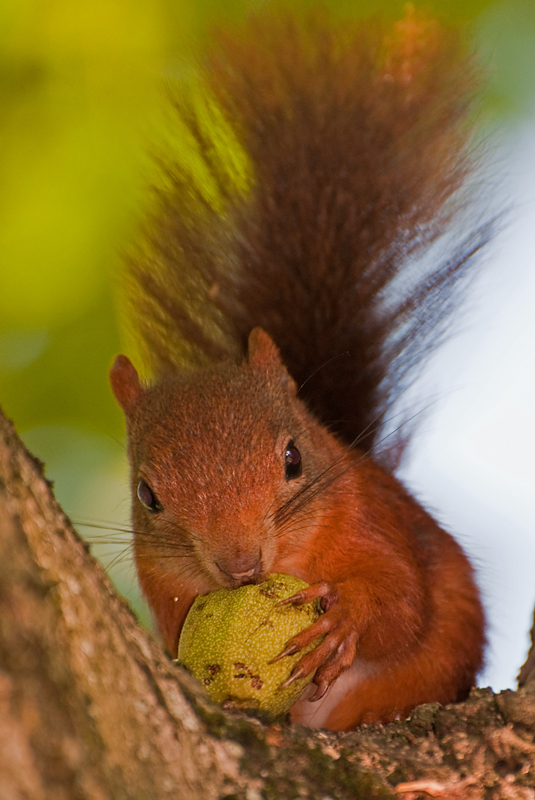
point(105, 526)
point(329, 475)
point(322, 366)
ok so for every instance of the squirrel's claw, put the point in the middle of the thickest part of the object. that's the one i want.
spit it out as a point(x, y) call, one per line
point(321, 690)
point(290, 650)
point(322, 590)
point(332, 657)
point(339, 662)
point(335, 653)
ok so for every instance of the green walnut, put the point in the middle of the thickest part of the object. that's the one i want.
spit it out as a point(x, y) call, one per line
point(231, 635)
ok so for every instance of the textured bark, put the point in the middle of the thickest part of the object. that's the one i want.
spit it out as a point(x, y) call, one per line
point(91, 708)
point(527, 671)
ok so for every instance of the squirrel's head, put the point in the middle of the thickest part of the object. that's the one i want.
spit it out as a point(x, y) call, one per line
point(220, 459)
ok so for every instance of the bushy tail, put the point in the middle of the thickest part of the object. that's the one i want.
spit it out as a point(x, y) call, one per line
point(324, 163)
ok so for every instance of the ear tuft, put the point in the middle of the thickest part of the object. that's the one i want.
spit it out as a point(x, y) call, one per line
point(125, 383)
point(263, 352)
point(264, 357)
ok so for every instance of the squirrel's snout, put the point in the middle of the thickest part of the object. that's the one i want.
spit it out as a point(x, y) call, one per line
point(242, 570)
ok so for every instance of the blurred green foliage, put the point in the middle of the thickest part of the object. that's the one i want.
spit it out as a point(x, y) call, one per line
point(82, 108)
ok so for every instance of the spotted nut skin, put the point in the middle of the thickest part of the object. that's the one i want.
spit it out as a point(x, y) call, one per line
point(232, 638)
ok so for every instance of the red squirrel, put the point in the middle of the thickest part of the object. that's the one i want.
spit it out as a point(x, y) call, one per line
point(285, 301)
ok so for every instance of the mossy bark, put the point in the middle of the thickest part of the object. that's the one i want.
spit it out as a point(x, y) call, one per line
point(91, 708)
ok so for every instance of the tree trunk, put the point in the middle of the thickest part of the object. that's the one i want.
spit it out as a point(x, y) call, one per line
point(91, 708)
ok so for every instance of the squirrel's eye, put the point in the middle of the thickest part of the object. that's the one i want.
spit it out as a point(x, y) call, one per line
point(147, 497)
point(292, 460)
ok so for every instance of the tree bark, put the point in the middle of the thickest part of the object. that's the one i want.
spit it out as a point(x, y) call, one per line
point(91, 708)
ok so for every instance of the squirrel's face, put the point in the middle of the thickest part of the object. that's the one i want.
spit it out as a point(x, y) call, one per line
point(221, 459)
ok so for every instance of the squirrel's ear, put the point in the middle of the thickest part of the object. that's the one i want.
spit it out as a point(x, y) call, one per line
point(262, 350)
point(263, 355)
point(125, 383)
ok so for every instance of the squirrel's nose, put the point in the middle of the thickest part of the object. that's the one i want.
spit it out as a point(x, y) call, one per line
point(243, 576)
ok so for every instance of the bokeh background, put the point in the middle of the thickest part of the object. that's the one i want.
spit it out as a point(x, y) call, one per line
point(82, 107)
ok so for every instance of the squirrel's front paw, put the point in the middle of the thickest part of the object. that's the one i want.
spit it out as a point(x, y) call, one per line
point(336, 652)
